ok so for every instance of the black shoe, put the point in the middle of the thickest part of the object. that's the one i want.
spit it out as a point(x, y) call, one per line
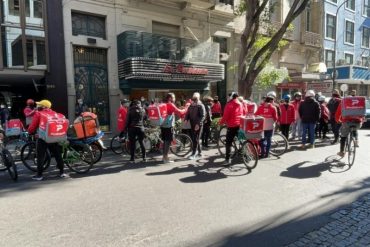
point(226, 163)
point(334, 142)
point(38, 178)
point(144, 159)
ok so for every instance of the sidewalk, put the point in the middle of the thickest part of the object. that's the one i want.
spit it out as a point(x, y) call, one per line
point(349, 227)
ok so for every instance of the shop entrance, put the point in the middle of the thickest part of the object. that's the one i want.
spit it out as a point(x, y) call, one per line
point(91, 81)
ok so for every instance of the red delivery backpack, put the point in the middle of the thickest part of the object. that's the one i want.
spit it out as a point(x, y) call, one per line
point(86, 125)
point(53, 127)
point(13, 127)
point(157, 113)
point(353, 106)
point(252, 126)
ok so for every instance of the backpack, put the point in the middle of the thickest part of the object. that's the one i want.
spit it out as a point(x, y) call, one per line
point(353, 106)
point(53, 127)
point(86, 125)
point(13, 127)
point(157, 113)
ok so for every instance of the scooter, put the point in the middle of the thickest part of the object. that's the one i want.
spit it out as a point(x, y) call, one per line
point(96, 144)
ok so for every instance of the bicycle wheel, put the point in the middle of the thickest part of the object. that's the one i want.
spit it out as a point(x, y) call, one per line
point(279, 145)
point(181, 145)
point(351, 150)
point(221, 145)
point(14, 146)
point(222, 131)
point(79, 158)
point(249, 155)
point(116, 145)
point(29, 159)
point(97, 151)
point(9, 163)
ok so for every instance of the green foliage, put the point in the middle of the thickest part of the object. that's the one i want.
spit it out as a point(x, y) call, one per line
point(270, 76)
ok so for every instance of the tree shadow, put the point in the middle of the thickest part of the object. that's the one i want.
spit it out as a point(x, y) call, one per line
point(210, 169)
point(308, 169)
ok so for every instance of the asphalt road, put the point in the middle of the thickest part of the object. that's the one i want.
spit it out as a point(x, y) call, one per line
point(186, 203)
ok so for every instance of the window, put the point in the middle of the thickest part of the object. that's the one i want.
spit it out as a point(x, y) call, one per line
point(40, 48)
point(334, 1)
point(331, 23)
point(308, 18)
point(227, 2)
point(365, 61)
point(28, 11)
point(365, 37)
point(362, 90)
point(89, 25)
point(366, 8)
point(14, 7)
point(350, 4)
point(329, 58)
point(350, 32)
point(222, 42)
point(37, 8)
point(348, 58)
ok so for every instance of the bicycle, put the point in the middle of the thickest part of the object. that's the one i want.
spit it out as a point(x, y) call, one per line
point(7, 162)
point(350, 146)
point(241, 147)
point(15, 145)
point(78, 157)
point(28, 155)
point(279, 144)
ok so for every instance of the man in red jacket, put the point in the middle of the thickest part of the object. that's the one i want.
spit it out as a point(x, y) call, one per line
point(233, 111)
point(216, 108)
point(54, 148)
point(29, 111)
point(287, 116)
point(122, 114)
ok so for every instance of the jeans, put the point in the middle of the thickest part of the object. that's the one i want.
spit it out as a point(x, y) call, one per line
point(310, 128)
point(335, 128)
point(230, 135)
point(55, 149)
point(297, 128)
point(265, 142)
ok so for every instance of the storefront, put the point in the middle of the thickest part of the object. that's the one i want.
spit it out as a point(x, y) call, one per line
point(152, 65)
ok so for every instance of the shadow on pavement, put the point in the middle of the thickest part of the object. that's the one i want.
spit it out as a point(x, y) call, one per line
point(276, 231)
point(308, 169)
point(205, 172)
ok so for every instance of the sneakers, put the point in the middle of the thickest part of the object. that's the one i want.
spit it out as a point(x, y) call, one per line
point(226, 163)
point(311, 146)
point(334, 142)
point(63, 175)
point(166, 161)
point(302, 146)
point(144, 160)
point(192, 157)
point(341, 154)
point(37, 178)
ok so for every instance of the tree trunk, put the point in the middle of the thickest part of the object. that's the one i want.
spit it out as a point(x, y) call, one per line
point(246, 85)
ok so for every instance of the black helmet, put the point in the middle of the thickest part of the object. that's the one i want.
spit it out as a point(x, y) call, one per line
point(124, 101)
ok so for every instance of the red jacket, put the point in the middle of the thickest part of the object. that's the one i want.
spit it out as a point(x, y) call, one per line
point(269, 113)
point(121, 119)
point(296, 105)
point(325, 113)
point(28, 113)
point(340, 119)
point(288, 114)
point(216, 108)
point(36, 120)
point(233, 111)
point(172, 109)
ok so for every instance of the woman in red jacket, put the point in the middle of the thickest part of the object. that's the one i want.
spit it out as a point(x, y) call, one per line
point(287, 116)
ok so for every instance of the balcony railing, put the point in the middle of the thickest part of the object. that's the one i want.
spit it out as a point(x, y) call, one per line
point(311, 39)
point(148, 45)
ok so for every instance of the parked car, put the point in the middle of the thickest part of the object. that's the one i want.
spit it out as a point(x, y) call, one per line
point(367, 121)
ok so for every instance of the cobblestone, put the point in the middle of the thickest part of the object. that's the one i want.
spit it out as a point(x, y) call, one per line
point(348, 227)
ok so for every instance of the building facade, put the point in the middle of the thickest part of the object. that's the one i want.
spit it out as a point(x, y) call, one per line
point(144, 49)
point(347, 35)
point(25, 70)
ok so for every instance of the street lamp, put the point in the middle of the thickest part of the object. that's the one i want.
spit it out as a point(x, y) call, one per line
point(335, 44)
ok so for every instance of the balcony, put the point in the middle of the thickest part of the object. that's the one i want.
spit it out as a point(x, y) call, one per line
point(311, 39)
point(273, 28)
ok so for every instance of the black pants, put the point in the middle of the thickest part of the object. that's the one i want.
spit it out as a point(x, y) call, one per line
point(55, 149)
point(216, 115)
point(230, 135)
point(195, 136)
point(285, 130)
point(335, 128)
point(205, 134)
point(136, 134)
point(167, 137)
point(323, 128)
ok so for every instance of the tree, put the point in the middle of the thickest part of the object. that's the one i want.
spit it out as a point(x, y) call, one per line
point(256, 50)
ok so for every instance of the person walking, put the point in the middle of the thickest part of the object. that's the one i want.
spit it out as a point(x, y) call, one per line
point(44, 106)
point(233, 111)
point(196, 115)
point(207, 121)
point(297, 124)
point(169, 123)
point(324, 119)
point(135, 128)
point(269, 112)
point(216, 108)
point(309, 112)
point(121, 117)
point(333, 104)
point(288, 116)
point(29, 111)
